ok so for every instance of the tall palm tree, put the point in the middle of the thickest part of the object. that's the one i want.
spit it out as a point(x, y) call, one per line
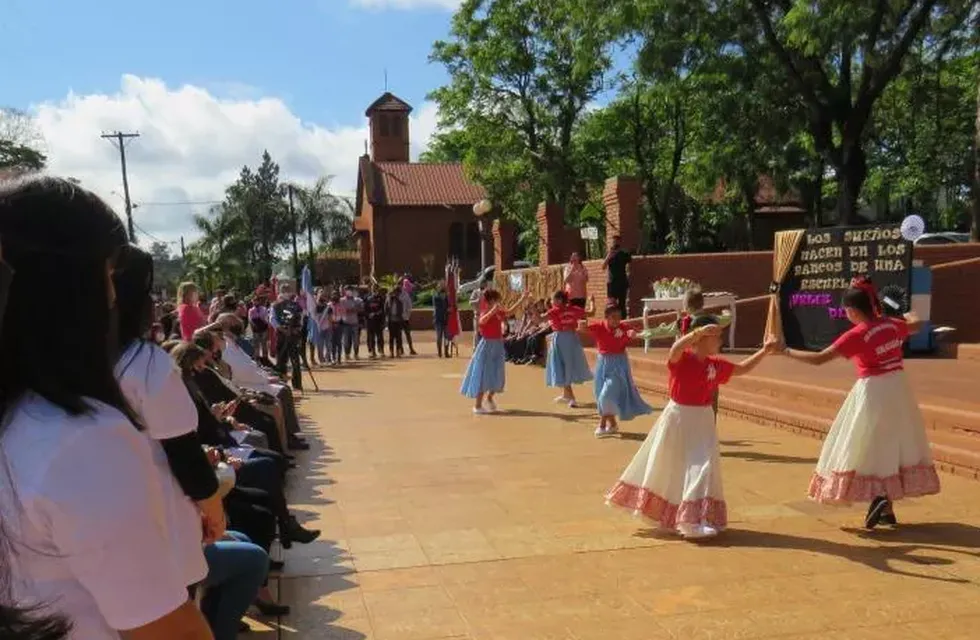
point(322, 212)
point(223, 245)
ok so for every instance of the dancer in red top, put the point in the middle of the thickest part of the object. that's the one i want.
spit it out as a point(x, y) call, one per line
point(877, 450)
point(566, 364)
point(485, 373)
point(616, 395)
point(675, 477)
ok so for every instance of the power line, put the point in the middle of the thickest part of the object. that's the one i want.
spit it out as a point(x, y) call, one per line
point(120, 139)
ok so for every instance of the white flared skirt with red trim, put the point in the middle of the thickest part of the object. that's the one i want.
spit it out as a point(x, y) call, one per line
point(675, 477)
point(877, 446)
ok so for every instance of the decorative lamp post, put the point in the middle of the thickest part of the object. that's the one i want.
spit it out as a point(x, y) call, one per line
point(480, 210)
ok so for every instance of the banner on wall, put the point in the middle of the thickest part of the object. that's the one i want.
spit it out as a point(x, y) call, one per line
point(821, 271)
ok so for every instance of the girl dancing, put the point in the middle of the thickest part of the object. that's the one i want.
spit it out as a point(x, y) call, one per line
point(566, 364)
point(484, 377)
point(675, 477)
point(615, 392)
point(876, 450)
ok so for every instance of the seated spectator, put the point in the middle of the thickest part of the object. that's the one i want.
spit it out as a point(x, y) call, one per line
point(236, 571)
point(153, 387)
point(529, 346)
point(82, 538)
point(256, 468)
point(246, 374)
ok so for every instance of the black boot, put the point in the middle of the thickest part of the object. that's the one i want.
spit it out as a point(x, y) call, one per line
point(292, 531)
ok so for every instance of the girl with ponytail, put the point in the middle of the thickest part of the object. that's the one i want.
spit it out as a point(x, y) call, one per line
point(876, 450)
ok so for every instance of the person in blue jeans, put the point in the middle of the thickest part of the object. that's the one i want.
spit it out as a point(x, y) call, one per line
point(440, 318)
point(236, 571)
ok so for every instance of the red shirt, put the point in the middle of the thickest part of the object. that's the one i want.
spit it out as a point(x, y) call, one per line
point(610, 341)
point(191, 319)
point(875, 347)
point(693, 381)
point(492, 328)
point(565, 317)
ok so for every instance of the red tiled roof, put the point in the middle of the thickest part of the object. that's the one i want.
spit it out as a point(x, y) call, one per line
point(414, 184)
point(388, 102)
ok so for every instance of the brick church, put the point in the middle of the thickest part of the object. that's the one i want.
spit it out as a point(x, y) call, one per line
point(411, 216)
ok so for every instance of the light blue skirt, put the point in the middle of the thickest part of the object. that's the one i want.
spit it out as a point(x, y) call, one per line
point(615, 391)
point(566, 363)
point(486, 371)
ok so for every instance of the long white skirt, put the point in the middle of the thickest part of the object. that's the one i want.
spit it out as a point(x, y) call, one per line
point(877, 446)
point(675, 477)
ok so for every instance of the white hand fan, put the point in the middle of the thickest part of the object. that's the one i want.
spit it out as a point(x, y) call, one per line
point(913, 226)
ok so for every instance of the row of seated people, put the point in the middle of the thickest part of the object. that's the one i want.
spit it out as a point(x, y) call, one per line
point(226, 426)
point(525, 340)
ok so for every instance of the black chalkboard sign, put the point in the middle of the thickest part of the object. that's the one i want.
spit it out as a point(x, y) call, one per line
point(810, 295)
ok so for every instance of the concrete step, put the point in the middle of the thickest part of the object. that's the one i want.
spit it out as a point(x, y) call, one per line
point(820, 400)
point(809, 410)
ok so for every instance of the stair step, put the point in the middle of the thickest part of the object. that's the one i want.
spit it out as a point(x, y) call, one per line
point(955, 450)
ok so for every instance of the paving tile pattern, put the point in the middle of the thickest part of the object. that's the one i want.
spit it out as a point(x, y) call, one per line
point(439, 524)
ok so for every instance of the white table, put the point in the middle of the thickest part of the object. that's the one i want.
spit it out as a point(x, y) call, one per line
point(711, 301)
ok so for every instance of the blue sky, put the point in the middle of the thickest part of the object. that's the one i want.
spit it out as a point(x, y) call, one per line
point(210, 84)
point(325, 58)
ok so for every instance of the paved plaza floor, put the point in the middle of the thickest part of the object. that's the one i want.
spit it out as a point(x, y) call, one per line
point(440, 524)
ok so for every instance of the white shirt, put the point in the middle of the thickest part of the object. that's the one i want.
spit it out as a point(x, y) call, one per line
point(87, 519)
point(244, 371)
point(154, 389)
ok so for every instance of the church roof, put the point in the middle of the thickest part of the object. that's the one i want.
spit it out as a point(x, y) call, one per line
point(389, 102)
point(419, 184)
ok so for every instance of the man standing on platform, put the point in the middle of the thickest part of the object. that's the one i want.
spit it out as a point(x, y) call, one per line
point(616, 265)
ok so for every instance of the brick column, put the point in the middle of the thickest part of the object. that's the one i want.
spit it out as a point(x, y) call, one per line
point(621, 197)
point(551, 222)
point(504, 239)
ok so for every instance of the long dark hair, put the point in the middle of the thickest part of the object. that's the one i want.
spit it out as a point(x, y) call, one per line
point(59, 239)
point(133, 280)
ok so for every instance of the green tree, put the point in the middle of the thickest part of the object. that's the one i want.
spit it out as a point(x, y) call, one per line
point(922, 136)
point(21, 142)
point(521, 75)
point(328, 216)
point(840, 56)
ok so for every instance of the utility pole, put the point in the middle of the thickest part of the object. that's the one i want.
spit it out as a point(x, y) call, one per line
point(120, 138)
point(183, 249)
point(292, 217)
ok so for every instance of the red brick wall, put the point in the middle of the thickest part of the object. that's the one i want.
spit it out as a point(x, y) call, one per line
point(744, 274)
point(954, 298)
point(403, 235)
point(748, 274)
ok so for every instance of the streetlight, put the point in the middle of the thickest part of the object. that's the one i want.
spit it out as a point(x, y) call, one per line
point(480, 210)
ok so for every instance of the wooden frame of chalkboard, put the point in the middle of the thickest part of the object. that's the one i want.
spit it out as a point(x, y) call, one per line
point(822, 269)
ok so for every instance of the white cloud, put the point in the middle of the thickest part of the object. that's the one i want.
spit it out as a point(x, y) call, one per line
point(192, 144)
point(448, 5)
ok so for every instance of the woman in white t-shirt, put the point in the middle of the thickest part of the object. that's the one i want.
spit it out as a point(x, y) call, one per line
point(83, 504)
point(154, 389)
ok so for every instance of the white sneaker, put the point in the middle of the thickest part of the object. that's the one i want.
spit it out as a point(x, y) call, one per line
point(572, 404)
point(480, 411)
point(601, 432)
point(492, 406)
point(561, 400)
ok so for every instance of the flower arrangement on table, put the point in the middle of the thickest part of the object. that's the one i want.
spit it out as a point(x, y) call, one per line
point(672, 330)
point(672, 287)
